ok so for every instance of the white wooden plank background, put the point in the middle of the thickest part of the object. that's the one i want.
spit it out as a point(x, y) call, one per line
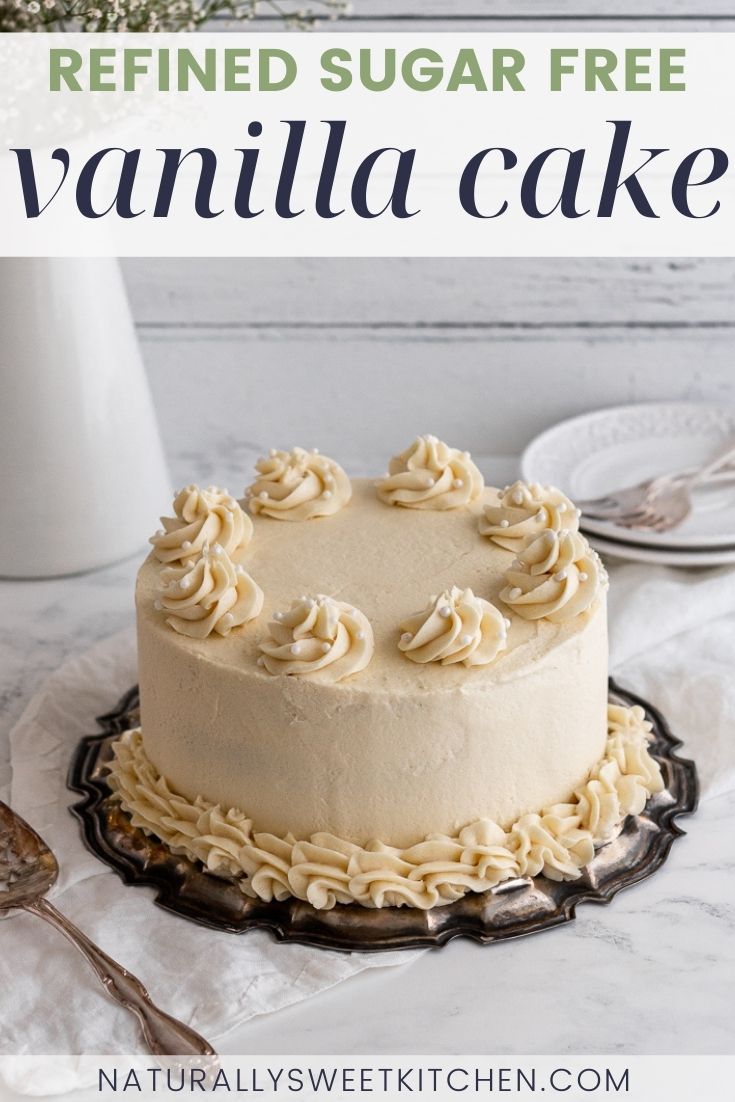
point(532, 14)
point(486, 352)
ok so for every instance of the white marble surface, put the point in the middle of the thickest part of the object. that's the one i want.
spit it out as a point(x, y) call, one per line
point(652, 973)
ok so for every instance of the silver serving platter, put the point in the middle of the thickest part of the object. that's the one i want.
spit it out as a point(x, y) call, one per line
point(513, 909)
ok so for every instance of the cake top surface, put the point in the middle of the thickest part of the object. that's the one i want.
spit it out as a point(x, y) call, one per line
point(387, 562)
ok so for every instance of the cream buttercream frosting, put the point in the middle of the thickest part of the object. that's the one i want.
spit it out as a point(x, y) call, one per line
point(401, 749)
point(298, 485)
point(201, 517)
point(430, 475)
point(323, 870)
point(455, 626)
point(318, 635)
point(525, 509)
point(208, 594)
point(556, 577)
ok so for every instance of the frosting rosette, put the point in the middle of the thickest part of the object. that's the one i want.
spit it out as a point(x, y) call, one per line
point(430, 475)
point(298, 485)
point(523, 511)
point(556, 577)
point(201, 517)
point(556, 842)
point(318, 634)
point(455, 626)
point(209, 594)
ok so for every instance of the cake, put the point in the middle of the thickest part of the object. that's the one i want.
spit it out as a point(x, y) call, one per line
point(379, 693)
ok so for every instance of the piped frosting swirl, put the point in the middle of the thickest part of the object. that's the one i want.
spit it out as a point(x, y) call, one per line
point(523, 511)
point(318, 634)
point(298, 485)
point(208, 594)
point(201, 517)
point(556, 577)
point(430, 475)
point(455, 626)
point(324, 870)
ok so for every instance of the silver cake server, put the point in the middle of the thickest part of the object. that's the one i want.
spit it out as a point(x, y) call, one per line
point(28, 869)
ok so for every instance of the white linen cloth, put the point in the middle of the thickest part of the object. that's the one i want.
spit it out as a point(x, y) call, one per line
point(672, 637)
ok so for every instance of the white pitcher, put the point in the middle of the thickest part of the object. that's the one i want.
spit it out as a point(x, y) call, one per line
point(83, 477)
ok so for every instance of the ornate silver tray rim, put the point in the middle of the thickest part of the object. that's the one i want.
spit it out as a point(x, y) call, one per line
point(514, 909)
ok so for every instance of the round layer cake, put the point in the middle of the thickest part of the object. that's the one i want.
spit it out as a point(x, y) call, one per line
point(399, 750)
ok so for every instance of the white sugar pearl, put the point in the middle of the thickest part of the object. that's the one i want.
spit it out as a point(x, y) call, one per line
point(228, 620)
point(562, 507)
point(560, 576)
point(315, 451)
point(465, 640)
point(278, 616)
point(563, 533)
point(429, 482)
point(515, 593)
point(458, 484)
point(185, 583)
point(263, 495)
point(506, 621)
point(578, 512)
point(186, 545)
point(295, 648)
point(218, 549)
point(303, 597)
point(327, 494)
point(406, 637)
point(582, 576)
point(272, 453)
point(541, 515)
point(445, 611)
point(160, 533)
point(325, 648)
point(240, 569)
point(505, 524)
point(360, 635)
point(466, 455)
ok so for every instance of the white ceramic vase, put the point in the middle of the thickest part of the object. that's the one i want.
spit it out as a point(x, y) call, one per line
point(83, 477)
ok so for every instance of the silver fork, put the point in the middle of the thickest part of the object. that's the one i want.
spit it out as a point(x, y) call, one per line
point(28, 868)
point(670, 505)
point(627, 501)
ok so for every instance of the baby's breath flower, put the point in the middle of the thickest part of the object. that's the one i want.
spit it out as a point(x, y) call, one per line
point(156, 15)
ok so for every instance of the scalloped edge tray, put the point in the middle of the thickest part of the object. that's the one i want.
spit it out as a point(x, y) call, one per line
point(514, 909)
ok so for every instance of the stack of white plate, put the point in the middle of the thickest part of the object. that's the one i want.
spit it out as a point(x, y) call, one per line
point(607, 450)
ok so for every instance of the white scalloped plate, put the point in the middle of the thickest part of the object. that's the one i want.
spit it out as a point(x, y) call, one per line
point(602, 451)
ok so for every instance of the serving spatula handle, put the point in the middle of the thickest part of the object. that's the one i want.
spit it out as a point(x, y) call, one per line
point(164, 1035)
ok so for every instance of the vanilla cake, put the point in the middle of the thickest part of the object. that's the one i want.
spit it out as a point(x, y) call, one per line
point(384, 693)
